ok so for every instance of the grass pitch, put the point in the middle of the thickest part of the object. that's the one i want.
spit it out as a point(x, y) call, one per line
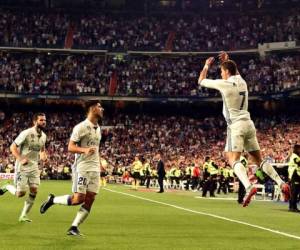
point(172, 220)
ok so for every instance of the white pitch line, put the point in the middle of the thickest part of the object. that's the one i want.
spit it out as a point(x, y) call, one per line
point(225, 199)
point(208, 214)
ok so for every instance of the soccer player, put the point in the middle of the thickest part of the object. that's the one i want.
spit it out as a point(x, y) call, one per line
point(84, 142)
point(28, 148)
point(241, 133)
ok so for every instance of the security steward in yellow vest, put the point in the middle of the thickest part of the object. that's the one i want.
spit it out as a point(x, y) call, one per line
point(227, 175)
point(210, 177)
point(171, 175)
point(222, 173)
point(294, 177)
point(103, 172)
point(177, 176)
point(187, 176)
point(66, 173)
point(135, 172)
point(142, 173)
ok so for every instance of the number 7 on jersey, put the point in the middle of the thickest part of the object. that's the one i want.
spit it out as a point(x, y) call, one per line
point(243, 94)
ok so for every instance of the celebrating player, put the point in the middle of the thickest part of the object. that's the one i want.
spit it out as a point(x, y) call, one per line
point(84, 142)
point(28, 148)
point(241, 133)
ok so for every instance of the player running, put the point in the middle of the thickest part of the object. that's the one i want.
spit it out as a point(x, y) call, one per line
point(84, 142)
point(28, 148)
point(241, 132)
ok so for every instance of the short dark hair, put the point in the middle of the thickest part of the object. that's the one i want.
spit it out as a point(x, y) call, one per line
point(230, 66)
point(90, 103)
point(36, 116)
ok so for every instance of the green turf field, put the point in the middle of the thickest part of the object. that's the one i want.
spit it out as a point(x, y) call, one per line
point(119, 221)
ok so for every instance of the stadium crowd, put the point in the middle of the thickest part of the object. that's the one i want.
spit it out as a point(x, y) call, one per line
point(52, 74)
point(137, 76)
point(181, 139)
point(178, 76)
point(32, 29)
point(214, 33)
point(121, 32)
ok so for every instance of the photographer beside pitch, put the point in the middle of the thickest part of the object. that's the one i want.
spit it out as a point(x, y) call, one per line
point(241, 132)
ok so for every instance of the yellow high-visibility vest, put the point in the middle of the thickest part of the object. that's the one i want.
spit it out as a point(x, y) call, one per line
point(294, 165)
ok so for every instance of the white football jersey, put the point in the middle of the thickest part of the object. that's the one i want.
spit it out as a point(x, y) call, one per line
point(86, 134)
point(30, 143)
point(235, 97)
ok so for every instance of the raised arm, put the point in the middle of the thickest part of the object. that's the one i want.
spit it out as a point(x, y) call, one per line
point(204, 71)
point(223, 57)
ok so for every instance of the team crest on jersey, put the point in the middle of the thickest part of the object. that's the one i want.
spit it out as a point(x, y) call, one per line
point(89, 128)
point(32, 137)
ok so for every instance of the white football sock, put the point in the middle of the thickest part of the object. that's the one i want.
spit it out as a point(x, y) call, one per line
point(28, 205)
point(62, 200)
point(241, 173)
point(82, 214)
point(12, 189)
point(270, 171)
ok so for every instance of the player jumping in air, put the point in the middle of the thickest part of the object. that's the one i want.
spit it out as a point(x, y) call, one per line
point(241, 132)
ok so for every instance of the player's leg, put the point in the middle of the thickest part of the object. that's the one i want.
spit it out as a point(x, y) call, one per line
point(270, 171)
point(28, 204)
point(238, 168)
point(234, 146)
point(19, 187)
point(252, 147)
point(77, 198)
point(241, 193)
point(33, 182)
point(82, 214)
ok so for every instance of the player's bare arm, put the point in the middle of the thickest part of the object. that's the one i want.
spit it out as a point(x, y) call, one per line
point(204, 71)
point(74, 148)
point(16, 153)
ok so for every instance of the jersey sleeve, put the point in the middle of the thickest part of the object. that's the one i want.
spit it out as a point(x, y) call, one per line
point(212, 84)
point(21, 138)
point(76, 134)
